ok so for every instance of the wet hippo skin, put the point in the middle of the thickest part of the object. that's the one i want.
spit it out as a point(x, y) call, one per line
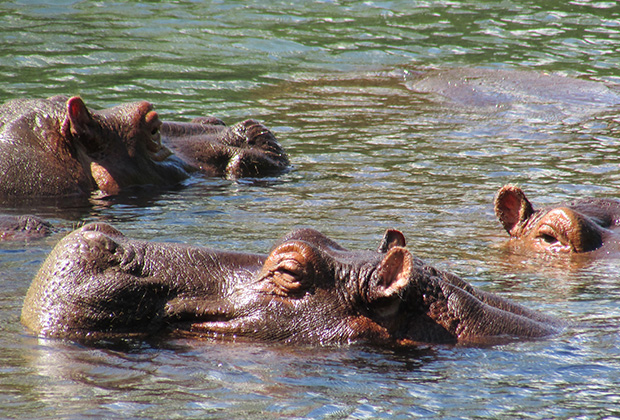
point(246, 149)
point(23, 227)
point(308, 289)
point(579, 226)
point(59, 147)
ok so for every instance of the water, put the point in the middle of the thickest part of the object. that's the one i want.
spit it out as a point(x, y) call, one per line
point(334, 80)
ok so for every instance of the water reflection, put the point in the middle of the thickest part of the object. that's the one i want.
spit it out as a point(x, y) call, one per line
point(368, 154)
point(196, 376)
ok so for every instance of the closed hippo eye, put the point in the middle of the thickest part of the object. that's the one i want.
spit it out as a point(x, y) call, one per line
point(289, 274)
point(289, 269)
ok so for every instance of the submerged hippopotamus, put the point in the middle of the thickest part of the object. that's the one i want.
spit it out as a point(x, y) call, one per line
point(59, 147)
point(97, 283)
point(573, 227)
point(516, 93)
point(246, 149)
point(23, 227)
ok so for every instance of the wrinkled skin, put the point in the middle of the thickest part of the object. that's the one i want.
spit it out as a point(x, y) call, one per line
point(246, 149)
point(96, 282)
point(579, 226)
point(23, 227)
point(59, 147)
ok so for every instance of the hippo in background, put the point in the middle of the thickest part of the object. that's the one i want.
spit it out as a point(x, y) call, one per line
point(59, 147)
point(207, 145)
point(575, 227)
point(97, 284)
point(516, 94)
point(23, 227)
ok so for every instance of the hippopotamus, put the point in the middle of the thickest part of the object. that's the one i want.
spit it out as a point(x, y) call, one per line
point(578, 226)
point(308, 290)
point(206, 144)
point(516, 93)
point(23, 227)
point(59, 147)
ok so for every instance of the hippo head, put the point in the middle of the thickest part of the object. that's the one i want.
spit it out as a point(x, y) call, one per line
point(575, 227)
point(311, 290)
point(245, 149)
point(120, 146)
point(253, 150)
point(308, 289)
point(23, 227)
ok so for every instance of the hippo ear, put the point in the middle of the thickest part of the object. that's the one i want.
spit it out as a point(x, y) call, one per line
point(289, 269)
point(391, 238)
point(393, 273)
point(79, 117)
point(512, 208)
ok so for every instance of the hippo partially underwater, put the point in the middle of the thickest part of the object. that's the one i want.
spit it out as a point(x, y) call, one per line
point(579, 226)
point(516, 94)
point(308, 289)
point(207, 145)
point(23, 227)
point(59, 147)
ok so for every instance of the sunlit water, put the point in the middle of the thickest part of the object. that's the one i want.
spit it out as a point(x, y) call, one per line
point(336, 83)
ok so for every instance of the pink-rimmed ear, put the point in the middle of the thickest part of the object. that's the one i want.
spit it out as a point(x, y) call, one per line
point(391, 238)
point(394, 273)
point(512, 208)
point(79, 124)
point(79, 116)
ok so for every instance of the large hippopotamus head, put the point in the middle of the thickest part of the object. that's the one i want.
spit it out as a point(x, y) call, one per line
point(308, 289)
point(574, 227)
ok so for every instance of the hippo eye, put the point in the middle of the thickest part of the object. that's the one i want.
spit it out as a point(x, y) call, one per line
point(155, 130)
point(289, 276)
point(548, 239)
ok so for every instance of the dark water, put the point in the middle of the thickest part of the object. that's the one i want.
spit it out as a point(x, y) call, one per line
point(337, 81)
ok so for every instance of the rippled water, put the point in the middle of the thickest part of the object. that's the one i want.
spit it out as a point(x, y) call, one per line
point(336, 81)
